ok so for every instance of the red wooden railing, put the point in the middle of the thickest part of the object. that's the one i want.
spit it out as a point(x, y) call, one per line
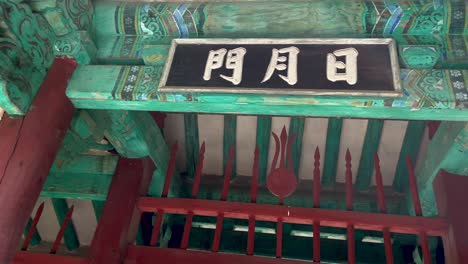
point(222, 209)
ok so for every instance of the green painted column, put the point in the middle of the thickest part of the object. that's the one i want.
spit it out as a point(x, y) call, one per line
point(229, 139)
point(447, 150)
point(263, 143)
point(410, 147)
point(296, 126)
point(369, 148)
point(98, 206)
point(332, 149)
point(36, 238)
point(61, 209)
point(191, 142)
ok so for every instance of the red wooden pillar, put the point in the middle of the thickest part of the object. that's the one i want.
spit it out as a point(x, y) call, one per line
point(119, 220)
point(31, 146)
point(450, 192)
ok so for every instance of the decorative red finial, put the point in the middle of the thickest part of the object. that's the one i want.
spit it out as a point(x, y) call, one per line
point(282, 181)
point(316, 180)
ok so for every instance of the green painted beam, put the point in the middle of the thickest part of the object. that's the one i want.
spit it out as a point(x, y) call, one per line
point(135, 134)
point(263, 142)
point(110, 91)
point(296, 126)
point(122, 131)
point(77, 186)
point(332, 149)
point(70, 237)
point(229, 139)
point(192, 144)
point(124, 27)
point(369, 148)
point(36, 238)
point(159, 152)
point(447, 150)
point(410, 147)
point(81, 177)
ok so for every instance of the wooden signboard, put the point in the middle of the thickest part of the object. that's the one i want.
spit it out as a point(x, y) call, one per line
point(353, 67)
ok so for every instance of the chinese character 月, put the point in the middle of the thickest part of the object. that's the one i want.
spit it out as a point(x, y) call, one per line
point(234, 61)
point(350, 73)
point(276, 64)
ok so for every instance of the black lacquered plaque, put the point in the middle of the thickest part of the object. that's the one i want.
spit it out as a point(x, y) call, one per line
point(355, 67)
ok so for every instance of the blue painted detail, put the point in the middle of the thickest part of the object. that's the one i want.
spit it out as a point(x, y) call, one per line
point(179, 19)
point(393, 20)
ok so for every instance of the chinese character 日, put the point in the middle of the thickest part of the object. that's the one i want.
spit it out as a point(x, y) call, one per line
point(350, 73)
point(276, 64)
point(234, 61)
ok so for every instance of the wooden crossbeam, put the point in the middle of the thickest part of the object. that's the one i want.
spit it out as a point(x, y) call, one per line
point(239, 191)
point(147, 255)
point(118, 223)
point(24, 257)
point(450, 190)
point(448, 150)
point(33, 151)
point(83, 177)
point(107, 93)
point(298, 215)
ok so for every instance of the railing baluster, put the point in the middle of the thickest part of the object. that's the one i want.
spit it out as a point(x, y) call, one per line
point(279, 233)
point(165, 192)
point(195, 188)
point(418, 210)
point(279, 238)
point(316, 225)
point(253, 199)
point(383, 209)
point(32, 229)
point(198, 172)
point(61, 232)
point(349, 207)
point(224, 194)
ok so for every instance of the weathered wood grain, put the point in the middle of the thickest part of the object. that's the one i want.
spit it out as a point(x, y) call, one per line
point(29, 164)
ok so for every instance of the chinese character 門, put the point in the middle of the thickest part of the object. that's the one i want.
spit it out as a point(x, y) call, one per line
point(234, 61)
